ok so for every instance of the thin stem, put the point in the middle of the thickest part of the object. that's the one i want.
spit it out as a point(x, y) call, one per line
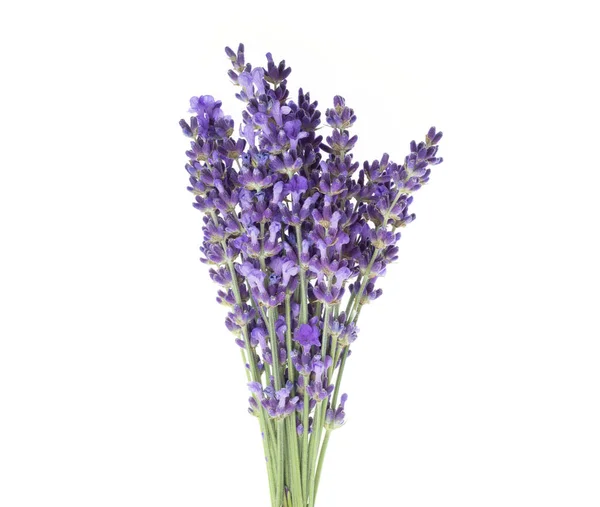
point(288, 338)
point(272, 438)
point(334, 340)
point(287, 471)
point(358, 312)
point(305, 411)
point(364, 282)
point(263, 266)
point(314, 439)
point(294, 460)
point(338, 380)
point(321, 460)
point(248, 378)
point(317, 433)
point(352, 297)
point(275, 348)
point(321, 426)
point(271, 465)
point(325, 332)
point(303, 297)
point(280, 464)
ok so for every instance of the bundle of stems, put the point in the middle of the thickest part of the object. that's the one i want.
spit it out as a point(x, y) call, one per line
point(295, 458)
point(296, 236)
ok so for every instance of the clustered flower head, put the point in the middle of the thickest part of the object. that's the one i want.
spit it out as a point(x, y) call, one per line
point(296, 234)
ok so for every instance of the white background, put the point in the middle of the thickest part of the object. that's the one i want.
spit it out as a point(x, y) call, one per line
point(475, 380)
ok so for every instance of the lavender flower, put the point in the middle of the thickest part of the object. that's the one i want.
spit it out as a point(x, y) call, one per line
point(335, 419)
point(278, 403)
point(296, 233)
point(307, 335)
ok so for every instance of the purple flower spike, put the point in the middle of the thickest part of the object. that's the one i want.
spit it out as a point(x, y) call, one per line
point(336, 419)
point(340, 116)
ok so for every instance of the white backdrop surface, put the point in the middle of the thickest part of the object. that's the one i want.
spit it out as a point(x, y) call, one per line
point(475, 380)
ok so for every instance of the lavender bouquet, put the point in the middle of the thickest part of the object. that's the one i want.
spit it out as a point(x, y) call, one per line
point(296, 236)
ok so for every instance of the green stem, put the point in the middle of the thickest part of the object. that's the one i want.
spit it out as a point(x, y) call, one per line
point(272, 314)
point(321, 425)
point(364, 282)
point(333, 356)
point(263, 266)
point(270, 456)
point(305, 411)
point(321, 460)
point(315, 443)
point(303, 297)
point(248, 378)
point(288, 339)
point(358, 312)
point(338, 352)
point(281, 460)
point(272, 437)
point(317, 310)
point(325, 332)
point(352, 298)
point(338, 380)
point(294, 461)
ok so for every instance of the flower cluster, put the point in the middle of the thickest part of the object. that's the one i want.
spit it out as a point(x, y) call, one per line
point(297, 234)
